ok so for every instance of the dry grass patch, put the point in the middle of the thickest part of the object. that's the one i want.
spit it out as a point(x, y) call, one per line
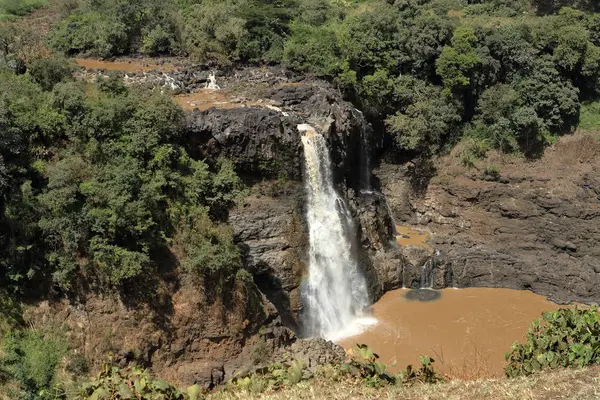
point(563, 384)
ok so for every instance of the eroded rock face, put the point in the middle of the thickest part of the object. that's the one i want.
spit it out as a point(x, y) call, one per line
point(535, 226)
point(271, 234)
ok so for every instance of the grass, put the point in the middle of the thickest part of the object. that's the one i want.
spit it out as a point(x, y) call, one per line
point(589, 117)
point(562, 384)
point(10, 9)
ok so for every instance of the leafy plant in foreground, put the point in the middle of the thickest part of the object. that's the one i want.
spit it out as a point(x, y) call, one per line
point(364, 363)
point(562, 338)
point(133, 383)
point(273, 377)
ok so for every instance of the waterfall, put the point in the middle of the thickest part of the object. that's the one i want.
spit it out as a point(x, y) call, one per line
point(212, 82)
point(427, 275)
point(335, 294)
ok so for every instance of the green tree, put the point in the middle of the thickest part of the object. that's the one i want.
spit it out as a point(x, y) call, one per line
point(554, 98)
point(213, 34)
point(456, 65)
point(504, 122)
point(313, 50)
point(430, 119)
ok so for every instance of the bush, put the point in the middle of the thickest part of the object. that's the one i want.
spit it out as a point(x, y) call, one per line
point(362, 364)
point(562, 338)
point(31, 358)
point(589, 118)
point(133, 383)
point(212, 34)
point(313, 50)
point(47, 72)
point(273, 377)
point(207, 248)
point(90, 34)
point(158, 40)
point(20, 7)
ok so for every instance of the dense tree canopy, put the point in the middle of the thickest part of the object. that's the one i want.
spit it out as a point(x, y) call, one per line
point(96, 180)
point(547, 53)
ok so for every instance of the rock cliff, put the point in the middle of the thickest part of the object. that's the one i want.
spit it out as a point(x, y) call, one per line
point(523, 225)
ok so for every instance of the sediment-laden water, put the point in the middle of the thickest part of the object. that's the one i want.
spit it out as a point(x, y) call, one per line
point(467, 331)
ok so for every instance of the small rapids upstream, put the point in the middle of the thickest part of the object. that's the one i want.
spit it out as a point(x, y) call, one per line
point(335, 294)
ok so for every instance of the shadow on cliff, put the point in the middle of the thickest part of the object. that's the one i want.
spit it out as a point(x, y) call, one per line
point(271, 286)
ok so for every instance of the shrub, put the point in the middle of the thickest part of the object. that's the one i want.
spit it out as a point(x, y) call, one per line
point(363, 363)
point(47, 72)
point(208, 248)
point(211, 35)
point(273, 377)
point(158, 40)
point(133, 383)
point(31, 358)
point(562, 338)
point(312, 49)
point(92, 34)
point(589, 118)
point(20, 7)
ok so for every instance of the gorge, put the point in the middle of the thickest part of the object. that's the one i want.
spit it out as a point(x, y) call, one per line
point(532, 227)
point(299, 199)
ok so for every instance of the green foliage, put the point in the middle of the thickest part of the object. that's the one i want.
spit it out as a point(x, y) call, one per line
point(98, 182)
point(268, 24)
point(312, 49)
point(113, 27)
point(552, 6)
point(590, 116)
point(10, 314)
point(272, 377)
point(47, 72)
point(492, 171)
point(474, 149)
point(133, 383)
point(457, 63)
point(207, 248)
point(562, 338)
point(363, 363)
point(554, 98)
point(425, 374)
point(12, 8)
point(423, 125)
point(31, 358)
point(211, 34)
point(503, 121)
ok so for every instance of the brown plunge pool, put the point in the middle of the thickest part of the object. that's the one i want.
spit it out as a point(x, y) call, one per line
point(467, 331)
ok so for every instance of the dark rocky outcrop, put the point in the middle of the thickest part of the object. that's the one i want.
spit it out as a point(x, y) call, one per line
point(271, 234)
point(263, 139)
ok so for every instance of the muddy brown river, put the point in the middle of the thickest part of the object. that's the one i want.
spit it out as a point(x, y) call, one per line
point(467, 331)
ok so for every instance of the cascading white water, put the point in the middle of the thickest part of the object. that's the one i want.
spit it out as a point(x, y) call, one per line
point(335, 294)
point(211, 83)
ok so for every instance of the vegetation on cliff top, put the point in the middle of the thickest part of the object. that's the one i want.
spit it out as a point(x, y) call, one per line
point(509, 74)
